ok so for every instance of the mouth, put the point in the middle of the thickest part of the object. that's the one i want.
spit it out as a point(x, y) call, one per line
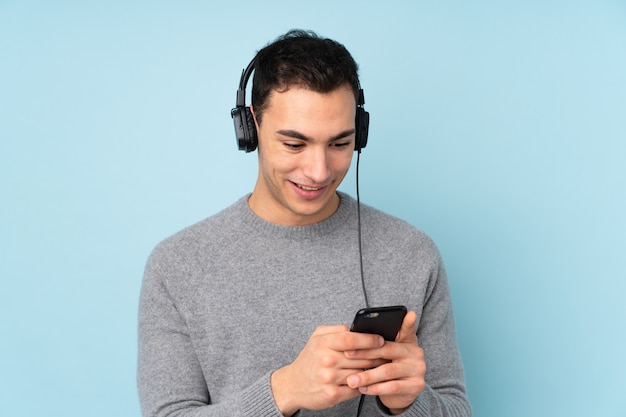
point(307, 188)
point(309, 192)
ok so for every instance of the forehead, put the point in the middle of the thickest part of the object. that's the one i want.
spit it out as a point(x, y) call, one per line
point(307, 105)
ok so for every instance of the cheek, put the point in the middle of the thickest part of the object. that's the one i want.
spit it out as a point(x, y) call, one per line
point(341, 163)
point(285, 164)
point(272, 164)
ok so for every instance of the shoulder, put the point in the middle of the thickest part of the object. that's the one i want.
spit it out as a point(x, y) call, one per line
point(391, 228)
point(203, 237)
point(390, 237)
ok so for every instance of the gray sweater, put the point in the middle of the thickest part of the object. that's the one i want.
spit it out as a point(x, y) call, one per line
point(229, 300)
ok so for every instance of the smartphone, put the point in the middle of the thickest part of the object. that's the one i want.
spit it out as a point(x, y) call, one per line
point(384, 321)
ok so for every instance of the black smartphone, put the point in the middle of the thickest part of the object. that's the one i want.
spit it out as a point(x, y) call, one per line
point(384, 321)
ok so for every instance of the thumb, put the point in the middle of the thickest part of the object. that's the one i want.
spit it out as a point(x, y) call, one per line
point(407, 333)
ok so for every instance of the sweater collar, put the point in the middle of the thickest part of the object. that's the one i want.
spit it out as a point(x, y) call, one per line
point(343, 217)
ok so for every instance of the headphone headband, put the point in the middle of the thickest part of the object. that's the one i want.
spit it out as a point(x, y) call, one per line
point(245, 76)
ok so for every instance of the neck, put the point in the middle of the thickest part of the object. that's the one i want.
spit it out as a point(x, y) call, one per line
point(294, 214)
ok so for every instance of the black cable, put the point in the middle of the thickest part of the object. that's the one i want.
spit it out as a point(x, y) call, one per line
point(358, 410)
point(358, 216)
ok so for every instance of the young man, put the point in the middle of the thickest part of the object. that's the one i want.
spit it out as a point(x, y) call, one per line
point(244, 313)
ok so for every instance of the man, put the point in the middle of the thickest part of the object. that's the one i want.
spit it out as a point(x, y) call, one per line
point(244, 313)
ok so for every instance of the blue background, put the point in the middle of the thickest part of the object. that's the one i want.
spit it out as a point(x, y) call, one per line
point(497, 127)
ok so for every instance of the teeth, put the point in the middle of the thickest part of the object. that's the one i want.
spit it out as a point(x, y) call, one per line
point(308, 188)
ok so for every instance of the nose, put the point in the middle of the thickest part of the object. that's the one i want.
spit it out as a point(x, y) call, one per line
point(317, 165)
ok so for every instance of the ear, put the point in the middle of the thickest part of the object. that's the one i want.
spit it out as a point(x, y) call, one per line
point(254, 117)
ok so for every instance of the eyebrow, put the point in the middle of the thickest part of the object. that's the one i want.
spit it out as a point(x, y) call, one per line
point(297, 135)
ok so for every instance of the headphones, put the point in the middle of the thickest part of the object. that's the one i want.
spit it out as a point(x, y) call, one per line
point(245, 129)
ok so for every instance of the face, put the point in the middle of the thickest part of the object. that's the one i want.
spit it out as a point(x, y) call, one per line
point(306, 142)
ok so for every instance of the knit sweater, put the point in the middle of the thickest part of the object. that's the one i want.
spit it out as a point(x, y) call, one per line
point(229, 300)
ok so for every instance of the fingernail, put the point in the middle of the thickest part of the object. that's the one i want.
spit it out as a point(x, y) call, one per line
point(353, 381)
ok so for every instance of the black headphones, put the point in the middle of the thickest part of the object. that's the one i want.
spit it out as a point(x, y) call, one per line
point(245, 129)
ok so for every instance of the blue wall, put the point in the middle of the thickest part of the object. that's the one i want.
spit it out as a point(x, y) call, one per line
point(498, 129)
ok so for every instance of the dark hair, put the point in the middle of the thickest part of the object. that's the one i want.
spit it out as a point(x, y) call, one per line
point(304, 59)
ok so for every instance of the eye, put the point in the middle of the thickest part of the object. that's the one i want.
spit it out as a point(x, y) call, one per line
point(293, 146)
point(341, 145)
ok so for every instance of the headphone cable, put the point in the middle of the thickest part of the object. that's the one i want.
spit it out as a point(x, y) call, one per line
point(358, 216)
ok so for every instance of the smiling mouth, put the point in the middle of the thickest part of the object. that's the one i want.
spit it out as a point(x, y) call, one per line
point(306, 188)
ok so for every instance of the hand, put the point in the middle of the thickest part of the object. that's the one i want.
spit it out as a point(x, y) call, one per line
point(399, 380)
point(316, 379)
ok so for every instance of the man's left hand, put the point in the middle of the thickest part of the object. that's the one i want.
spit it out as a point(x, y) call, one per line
point(399, 380)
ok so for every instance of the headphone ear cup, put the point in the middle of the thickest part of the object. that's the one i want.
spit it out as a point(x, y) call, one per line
point(241, 126)
point(245, 129)
point(251, 139)
point(362, 124)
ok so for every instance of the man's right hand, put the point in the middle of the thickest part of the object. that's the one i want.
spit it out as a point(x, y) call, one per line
point(316, 379)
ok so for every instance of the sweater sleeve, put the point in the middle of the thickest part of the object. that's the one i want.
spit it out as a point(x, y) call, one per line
point(169, 377)
point(445, 394)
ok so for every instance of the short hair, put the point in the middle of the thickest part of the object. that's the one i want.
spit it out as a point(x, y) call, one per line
point(303, 59)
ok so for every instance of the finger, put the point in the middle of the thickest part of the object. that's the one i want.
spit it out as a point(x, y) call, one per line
point(390, 371)
point(361, 364)
point(340, 377)
point(351, 365)
point(322, 330)
point(352, 341)
point(395, 393)
point(407, 389)
point(408, 330)
point(400, 360)
point(389, 352)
